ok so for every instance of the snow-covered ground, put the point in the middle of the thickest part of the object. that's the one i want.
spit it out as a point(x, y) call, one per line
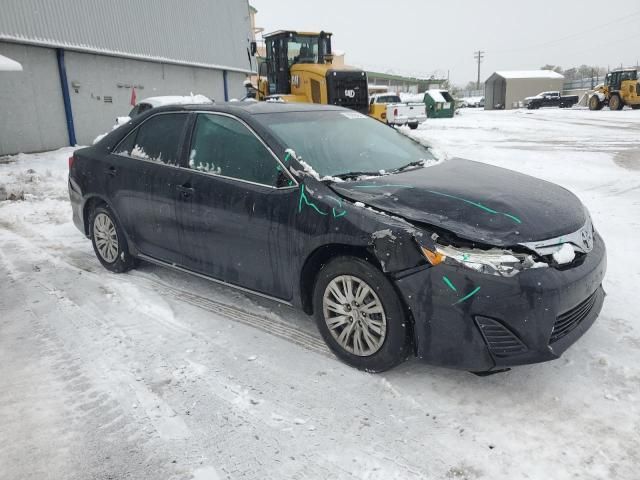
point(158, 375)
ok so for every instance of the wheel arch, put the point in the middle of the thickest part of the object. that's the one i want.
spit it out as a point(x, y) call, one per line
point(320, 257)
point(90, 204)
point(323, 255)
point(94, 201)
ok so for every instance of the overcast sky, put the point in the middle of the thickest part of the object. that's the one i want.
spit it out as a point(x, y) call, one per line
point(422, 37)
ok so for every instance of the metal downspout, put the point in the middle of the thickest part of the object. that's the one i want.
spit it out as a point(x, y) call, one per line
point(226, 86)
point(64, 85)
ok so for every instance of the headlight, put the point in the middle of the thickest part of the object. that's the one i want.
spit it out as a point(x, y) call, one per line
point(493, 262)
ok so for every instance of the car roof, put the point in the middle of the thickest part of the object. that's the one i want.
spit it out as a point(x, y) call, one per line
point(175, 100)
point(252, 108)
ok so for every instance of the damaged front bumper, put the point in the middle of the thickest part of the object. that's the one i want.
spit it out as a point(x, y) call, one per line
point(478, 322)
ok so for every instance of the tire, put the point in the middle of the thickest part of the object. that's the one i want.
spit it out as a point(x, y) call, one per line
point(382, 329)
point(616, 103)
point(595, 103)
point(413, 126)
point(109, 242)
point(635, 107)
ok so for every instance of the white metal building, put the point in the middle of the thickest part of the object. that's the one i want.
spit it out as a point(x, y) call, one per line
point(82, 59)
point(505, 89)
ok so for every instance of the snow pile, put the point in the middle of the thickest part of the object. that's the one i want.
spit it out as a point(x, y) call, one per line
point(565, 254)
point(35, 176)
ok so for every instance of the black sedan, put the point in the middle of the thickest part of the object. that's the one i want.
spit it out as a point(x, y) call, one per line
point(395, 253)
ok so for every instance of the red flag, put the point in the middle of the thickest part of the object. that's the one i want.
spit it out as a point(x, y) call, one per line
point(133, 97)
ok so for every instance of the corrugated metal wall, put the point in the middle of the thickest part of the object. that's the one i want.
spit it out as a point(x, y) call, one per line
point(211, 33)
point(520, 88)
point(30, 102)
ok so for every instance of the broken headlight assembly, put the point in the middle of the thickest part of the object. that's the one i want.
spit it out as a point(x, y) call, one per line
point(495, 261)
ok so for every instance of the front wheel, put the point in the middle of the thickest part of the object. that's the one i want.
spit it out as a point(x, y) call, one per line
point(635, 107)
point(109, 242)
point(615, 102)
point(595, 103)
point(360, 316)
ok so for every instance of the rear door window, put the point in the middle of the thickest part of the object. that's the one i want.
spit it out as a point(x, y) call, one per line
point(224, 146)
point(159, 139)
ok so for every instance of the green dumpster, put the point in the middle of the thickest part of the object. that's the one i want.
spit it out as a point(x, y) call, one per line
point(439, 104)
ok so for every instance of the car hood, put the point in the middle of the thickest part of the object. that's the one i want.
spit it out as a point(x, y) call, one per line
point(473, 200)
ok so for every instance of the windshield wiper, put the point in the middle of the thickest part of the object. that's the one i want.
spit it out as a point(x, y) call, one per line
point(348, 175)
point(417, 163)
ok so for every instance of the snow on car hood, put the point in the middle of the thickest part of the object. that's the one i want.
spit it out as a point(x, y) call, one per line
point(473, 200)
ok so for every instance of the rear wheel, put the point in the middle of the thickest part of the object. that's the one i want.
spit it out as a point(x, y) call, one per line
point(595, 103)
point(109, 242)
point(360, 316)
point(413, 125)
point(615, 103)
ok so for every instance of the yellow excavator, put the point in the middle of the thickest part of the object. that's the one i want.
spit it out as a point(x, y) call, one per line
point(621, 87)
point(298, 67)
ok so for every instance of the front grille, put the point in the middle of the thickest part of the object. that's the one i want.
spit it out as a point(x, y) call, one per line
point(569, 320)
point(499, 339)
point(348, 89)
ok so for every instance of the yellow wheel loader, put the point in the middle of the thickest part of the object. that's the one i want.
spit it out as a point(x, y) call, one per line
point(621, 87)
point(299, 68)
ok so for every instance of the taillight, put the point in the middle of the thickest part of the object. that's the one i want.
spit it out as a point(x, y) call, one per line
point(384, 115)
point(72, 158)
point(395, 112)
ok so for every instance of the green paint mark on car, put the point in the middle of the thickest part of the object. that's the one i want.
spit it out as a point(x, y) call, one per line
point(305, 200)
point(449, 284)
point(385, 185)
point(477, 205)
point(468, 296)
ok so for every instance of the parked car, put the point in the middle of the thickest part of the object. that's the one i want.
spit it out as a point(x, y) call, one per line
point(154, 102)
point(471, 102)
point(390, 109)
point(550, 99)
point(463, 264)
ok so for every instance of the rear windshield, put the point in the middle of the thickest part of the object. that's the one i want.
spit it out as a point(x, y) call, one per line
point(388, 99)
point(338, 142)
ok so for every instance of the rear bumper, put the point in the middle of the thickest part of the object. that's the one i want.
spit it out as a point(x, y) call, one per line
point(531, 317)
point(405, 120)
point(75, 198)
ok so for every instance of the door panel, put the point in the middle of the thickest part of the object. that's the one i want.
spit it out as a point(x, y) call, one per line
point(238, 233)
point(143, 175)
point(235, 224)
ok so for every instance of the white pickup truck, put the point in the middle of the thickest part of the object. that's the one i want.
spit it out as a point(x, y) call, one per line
point(388, 108)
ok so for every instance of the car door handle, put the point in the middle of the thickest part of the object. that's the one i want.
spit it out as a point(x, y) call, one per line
point(186, 191)
point(111, 171)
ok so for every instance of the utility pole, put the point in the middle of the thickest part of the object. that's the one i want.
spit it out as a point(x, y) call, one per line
point(479, 55)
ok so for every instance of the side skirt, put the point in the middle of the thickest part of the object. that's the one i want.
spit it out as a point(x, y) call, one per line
point(155, 261)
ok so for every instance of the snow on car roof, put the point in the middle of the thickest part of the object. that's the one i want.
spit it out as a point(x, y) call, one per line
point(176, 100)
point(529, 74)
point(8, 65)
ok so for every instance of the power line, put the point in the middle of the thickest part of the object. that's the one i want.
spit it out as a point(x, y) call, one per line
point(573, 35)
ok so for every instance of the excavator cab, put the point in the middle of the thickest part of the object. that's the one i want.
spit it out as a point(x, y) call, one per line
point(299, 68)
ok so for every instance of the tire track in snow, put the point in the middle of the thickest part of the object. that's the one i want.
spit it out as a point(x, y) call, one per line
point(272, 326)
